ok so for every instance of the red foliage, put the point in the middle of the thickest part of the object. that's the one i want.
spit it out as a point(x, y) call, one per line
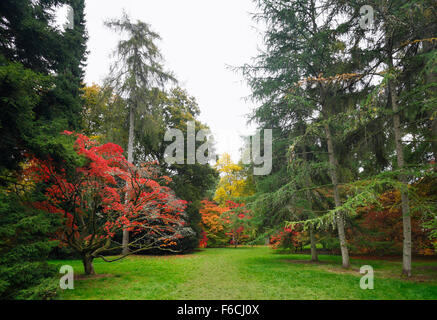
point(106, 195)
point(211, 222)
point(380, 230)
point(287, 239)
point(223, 225)
point(203, 242)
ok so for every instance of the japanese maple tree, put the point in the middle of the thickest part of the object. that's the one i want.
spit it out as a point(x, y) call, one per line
point(212, 224)
point(104, 195)
point(288, 238)
point(378, 228)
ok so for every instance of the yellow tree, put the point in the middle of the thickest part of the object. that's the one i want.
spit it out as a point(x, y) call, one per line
point(234, 182)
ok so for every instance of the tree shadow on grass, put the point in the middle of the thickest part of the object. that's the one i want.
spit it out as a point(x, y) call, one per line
point(94, 276)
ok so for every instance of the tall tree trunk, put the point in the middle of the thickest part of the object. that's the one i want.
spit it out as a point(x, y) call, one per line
point(88, 264)
point(308, 184)
point(314, 256)
point(431, 79)
point(434, 137)
point(406, 218)
point(339, 217)
point(130, 158)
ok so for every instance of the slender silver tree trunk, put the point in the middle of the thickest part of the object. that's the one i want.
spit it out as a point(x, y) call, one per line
point(130, 158)
point(314, 256)
point(406, 218)
point(308, 184)
point(431, 78)
point(339, 217)
point(434, 138)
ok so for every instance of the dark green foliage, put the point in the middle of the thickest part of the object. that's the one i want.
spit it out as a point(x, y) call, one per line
point(20, 92)
point(24, 248)
point(28, 37)
point(41, 69)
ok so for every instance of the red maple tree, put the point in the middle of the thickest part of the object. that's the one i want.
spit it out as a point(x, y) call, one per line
point(378, 228)
point(286, 239)
point(105, 195)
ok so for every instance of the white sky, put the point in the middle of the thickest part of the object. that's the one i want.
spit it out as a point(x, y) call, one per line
point(199, 38)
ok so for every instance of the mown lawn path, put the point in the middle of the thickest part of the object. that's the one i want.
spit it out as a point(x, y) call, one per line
point(247, 274)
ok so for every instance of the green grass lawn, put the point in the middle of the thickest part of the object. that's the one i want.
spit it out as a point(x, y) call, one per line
point(249, 274)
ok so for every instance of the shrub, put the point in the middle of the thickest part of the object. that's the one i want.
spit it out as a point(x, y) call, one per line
point(24, 248)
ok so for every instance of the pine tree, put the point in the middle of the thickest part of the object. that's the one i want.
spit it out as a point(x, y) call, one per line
point(138, 70)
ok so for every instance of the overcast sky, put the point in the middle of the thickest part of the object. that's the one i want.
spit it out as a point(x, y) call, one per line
point(199, 39)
